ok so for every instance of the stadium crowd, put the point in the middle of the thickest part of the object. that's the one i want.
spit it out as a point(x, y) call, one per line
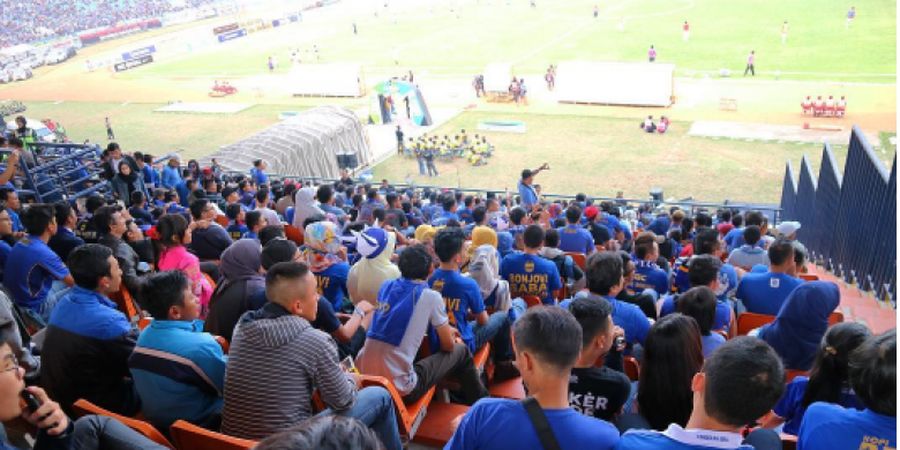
point(27, 21)
point(312, 285)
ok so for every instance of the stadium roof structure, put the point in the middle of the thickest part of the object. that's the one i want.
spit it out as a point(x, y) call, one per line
point(305, 145)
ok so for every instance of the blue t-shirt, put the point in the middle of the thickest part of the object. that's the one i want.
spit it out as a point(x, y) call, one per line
point(531, 275)
point(16, 221)
point(677, 438)
point(461, 295)
point(728, 280)
point(791, 408)
point(734, 238)
point(443, 217)
point(4, 252)
point(614, 226)
point(647, 275)
point(573, 238)
point(527, 194)
point(723, 312)
point(626, 315)
point(500, 424)
point(237, 230)
point(259, 177)
point(764, 293)
point(828, 426)
point(711, 342)
point(465, 215)
point(331, 283)
point(30, 269)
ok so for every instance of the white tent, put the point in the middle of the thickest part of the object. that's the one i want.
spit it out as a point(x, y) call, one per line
point(616, 83)
point(305, 145)
point(497, 77)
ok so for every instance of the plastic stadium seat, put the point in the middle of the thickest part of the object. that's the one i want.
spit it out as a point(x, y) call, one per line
point(409, 416)
point(188, 436)
point(83, 407)
point(790, 374)
point(294, 234)
point(749, 321)
point(579, 258)
point(223, 343)
point(126, 303)
point(436, 429)
point(222, 220)
point(809, 277)
point(532, 300)
point(632, 368)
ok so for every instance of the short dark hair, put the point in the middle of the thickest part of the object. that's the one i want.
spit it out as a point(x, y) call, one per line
point(390, 198)
point(873, 373)
point(233, 210)
point(533, 237)
point(737, 220)
point(414, 262)
point(171, 226)
point(551, 238)
point(516, 215)
point(703, 270)
point(137, 197)
point(88, 264)
point(448, 242)
point(478, 214)
point(754, 218)
point(372, 193)
point(706, 241)
point(270, 232)
point(643, 244)
point(752, 235)
point(702, 219)
point(324, 193)
point(800, 253)
point(277, 251)
point(252, 218)
point(603, 271)
point(552, 334)
point(103, 218)
point(63, 209)
point(197, 207)
point(262, 195)
point(700, 303)
point(573, 214)
point(162, 290)
point(744, 380)
point(591, 314)
point(4, 193)
point(289, 270)
point(780, 251)
point(325, 432)
point(448, 202)
point(37, 218)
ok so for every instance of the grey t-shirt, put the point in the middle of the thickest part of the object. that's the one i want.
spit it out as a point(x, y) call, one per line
point(396, 362)
point(746, 257)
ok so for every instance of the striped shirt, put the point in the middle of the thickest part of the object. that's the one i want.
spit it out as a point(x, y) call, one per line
point(276, 361)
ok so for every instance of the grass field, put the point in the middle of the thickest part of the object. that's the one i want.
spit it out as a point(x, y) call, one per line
point(595, 149)
point(601, 156)
point(429, 37)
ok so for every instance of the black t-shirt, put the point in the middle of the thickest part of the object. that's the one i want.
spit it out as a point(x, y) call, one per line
point(598, 392)
point(396, 217)
point(326, 320)
point(600, 233)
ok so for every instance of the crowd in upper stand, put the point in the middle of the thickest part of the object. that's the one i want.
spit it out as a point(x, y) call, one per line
point(313, 284)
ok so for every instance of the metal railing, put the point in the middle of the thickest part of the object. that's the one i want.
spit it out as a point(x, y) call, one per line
point(848, 222)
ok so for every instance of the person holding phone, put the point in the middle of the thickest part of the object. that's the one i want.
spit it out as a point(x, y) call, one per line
point(526, 191)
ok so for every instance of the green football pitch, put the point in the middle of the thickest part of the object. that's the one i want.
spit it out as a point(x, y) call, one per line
point(459, 38)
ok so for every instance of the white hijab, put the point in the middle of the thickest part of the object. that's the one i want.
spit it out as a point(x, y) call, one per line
point(484, 268)
point(305, 206)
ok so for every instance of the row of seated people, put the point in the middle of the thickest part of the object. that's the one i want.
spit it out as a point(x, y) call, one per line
point(824, 108)
point(531, 233)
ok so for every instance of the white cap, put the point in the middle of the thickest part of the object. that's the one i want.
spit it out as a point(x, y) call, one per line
point(788, 228)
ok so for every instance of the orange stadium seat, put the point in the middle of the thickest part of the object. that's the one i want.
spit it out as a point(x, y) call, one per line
point(409, 416)
point(293, 234)
point(579, 258)
point(222, 220)
point(809, 277)
point(126, 303)
point(83, 407)
point(749, 321)
point(188, 436)
point(632, 368)
point(512, 389)
point(532, 300)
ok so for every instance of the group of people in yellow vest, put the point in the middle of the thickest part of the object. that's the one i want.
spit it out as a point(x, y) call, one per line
point(476, 149)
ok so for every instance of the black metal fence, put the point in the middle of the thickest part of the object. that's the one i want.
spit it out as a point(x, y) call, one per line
point(848, 222)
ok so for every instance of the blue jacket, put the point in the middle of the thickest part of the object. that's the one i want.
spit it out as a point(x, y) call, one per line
point(170, 177)
point(179, 372)
point(85, 353)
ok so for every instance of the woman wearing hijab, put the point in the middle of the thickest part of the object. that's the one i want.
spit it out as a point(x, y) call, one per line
point(375, 247)
point(305, 206)
point(425, 235)
point(802, 321)
point(242, 287)
point(505, 242)
point(328, 261)
point(127, 182)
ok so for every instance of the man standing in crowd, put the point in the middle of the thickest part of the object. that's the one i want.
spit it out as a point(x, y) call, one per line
point(527, 193)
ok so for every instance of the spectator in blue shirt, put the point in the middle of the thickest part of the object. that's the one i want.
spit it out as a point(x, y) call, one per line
point(706, 242)
point(574, 238)
point(10, 199)
point(735, 237)
point(255, 222)
point(328, 262)
point(31, 265)
point(527, 194)
point(647, 275)
point(738, 384)
point(530, 274)
point(171, 174)
point(827, 381)
point(547, 344)
point(873, 376)
point(448, 212)
point(465, 213)
point(178, 370)
point(209, 241)
point(764, 293)
point(236, 215)
point(462, 296)
point(750, 254)
point(258, 173)
point(64, 241)
point(325, 196)
point(704, 270)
